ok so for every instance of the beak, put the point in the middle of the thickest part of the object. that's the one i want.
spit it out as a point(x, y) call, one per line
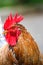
point(5, 32)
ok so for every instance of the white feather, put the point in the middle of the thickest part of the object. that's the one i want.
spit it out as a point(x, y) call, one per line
point(2, 38)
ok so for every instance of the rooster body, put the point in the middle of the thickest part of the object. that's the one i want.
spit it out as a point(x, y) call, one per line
point(26, 50)
point(21, 48)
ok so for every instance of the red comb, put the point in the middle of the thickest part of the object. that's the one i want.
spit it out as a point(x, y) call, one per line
point(10, 21)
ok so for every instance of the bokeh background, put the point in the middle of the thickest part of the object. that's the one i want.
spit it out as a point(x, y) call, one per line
point(18, 2)
point(32, 10)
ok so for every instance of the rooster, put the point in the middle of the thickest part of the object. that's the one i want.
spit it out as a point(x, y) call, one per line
point(21, 48)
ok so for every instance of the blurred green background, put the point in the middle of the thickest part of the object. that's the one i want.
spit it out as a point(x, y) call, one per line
point(18, 2)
